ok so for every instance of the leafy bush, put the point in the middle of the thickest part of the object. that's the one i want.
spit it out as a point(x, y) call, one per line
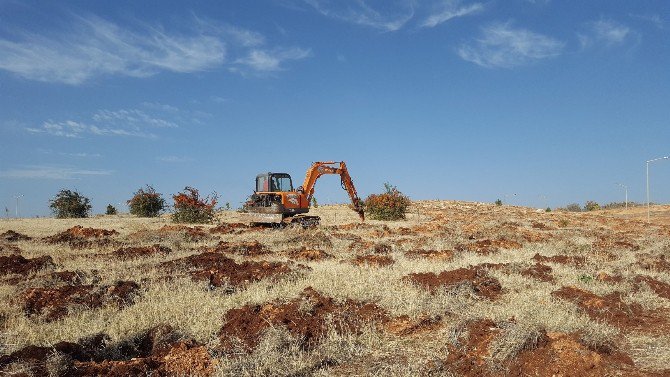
point(189, 207)
point(146, 203)
point(70, 204)
point(498, 202)
point(391, 205)
point(615, 205)
point(591, 206)
point(548, 209)
point(111, 210)
point(573, 207)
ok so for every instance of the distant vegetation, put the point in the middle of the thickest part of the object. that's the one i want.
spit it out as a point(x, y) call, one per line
point(70, 204)
point(111, 210)
point(146, 202)
point(591, 206)
point(189, 207)
point(391, 205)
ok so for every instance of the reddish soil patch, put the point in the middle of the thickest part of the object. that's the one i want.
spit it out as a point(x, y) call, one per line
point(382, 248)
point(430, 254)
point(307, 318)
point(660, 288)
point(246, 248)
point(54, 302)
point(236, 228)
point(546, 355)
point(13, 236)
point(475, 276)
point(653, 262)
point(16, 264)
point(79, 237)
point(607, 244)
point(306, 254)
point(538, 271)
point(144, 251)
point(561, 259)
point(612, 309)
point(405, 326)
point(607, 278)
point(373, 260)
point(158, 352)
point(487, 246)
point(360, 245)
point(195, 233)
point(69, 277)
point(312, 239)
point(221, 271)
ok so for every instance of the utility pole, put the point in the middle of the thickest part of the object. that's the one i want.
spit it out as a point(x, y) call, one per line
point(17, 204)
point(655, 159)
point(626, 190)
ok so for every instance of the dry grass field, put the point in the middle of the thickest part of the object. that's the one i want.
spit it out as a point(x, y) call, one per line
point(456, 289)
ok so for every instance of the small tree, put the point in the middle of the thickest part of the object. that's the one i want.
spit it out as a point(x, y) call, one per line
point(315, 204)
point(591, 206)
point(70, 204)
point(111, 210)
point(189, 207)
point(391, 205)
point(146, 202)
point(573, 207)
point(498, 202)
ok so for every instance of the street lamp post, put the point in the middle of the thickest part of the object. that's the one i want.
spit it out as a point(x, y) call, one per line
point(626, 190)
point(655, 159)
point(17, 204)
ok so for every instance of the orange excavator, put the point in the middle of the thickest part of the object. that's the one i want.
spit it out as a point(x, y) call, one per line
point(274, 200)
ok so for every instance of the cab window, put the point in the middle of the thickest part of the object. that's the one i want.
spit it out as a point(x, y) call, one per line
point(281, 184)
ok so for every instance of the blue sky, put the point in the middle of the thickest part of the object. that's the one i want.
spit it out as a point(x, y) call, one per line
point(534, 102)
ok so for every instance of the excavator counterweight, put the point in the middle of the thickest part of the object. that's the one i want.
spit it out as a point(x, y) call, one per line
point(276, 201)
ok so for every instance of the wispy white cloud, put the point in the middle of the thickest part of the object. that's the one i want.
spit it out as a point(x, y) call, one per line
point(271, 60)
point(604, 32)
point(388, 16)
point(653, 18)
point(51, 172)
point(132, 117)
point(94, 47)
point(173, 159)
point(451, 9)
point(502, 46)
point(74, 129)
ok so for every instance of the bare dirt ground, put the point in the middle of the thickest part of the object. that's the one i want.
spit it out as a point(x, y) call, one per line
point(458, 289)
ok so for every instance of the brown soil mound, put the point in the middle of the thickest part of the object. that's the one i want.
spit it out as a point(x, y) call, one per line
point(307, 318)
point(607, 244)
point(430, 254)
point(236, 228)
point(145, 251)
point(312, 239)
point(538, 271)
point(487, 246)
point(373, 260)
point(79, 237)
point(69, 277)
point(476, 276)
point(547, 355)
point(652, 262)
point(156, 352)
point(221, 271)
point(13, 236)
point(16, 264)
point(54, 302)
point(246, 248)
point(660, 288)
point(304, 253)
point(405, 326)
point(359, 245)
point(195, 233)
point(561, 259)
point(611, 309)
point(382, 248)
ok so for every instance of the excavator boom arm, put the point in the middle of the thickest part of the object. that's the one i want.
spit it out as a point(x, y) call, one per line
point(331, 167)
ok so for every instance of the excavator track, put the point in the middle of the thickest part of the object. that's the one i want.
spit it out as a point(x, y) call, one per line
point(303, 220)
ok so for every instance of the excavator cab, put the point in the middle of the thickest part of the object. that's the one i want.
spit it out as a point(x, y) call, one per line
point(274, 182)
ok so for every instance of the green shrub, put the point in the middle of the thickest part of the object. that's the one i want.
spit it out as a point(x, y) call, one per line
point(70, 204)
point(591, 206)
point(146, 202)
point(573, 207)
point(391, 205)
point(111, 210)
point(548, 209)
point(189, 207)
point(498, 202)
